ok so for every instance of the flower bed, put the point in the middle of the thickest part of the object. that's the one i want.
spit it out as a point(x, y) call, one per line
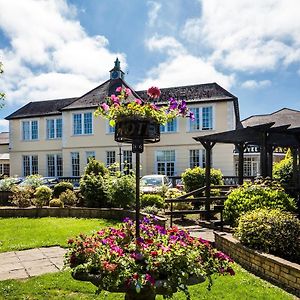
point(115, 261)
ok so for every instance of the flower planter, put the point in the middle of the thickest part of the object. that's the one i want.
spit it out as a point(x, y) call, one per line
point(130, 129)
point(146, 293)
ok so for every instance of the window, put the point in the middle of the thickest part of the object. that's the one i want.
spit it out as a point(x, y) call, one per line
point(75, 163)
point(197, 158)
point(169, 127)
point(203, 118)
point(82, 123)
point(30, 130)
point(89, 155)
point(127, 159)
point(251, 166)
point(165, 162)
point(4, 169)
point(54, 128)
point(110, 158)
point(30, 165)
point(54, 165)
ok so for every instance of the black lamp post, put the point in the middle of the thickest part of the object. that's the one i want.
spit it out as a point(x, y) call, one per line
point(137, 132)
point(120, 156)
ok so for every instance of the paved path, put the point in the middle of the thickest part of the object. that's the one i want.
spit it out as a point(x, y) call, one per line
point(33, 262)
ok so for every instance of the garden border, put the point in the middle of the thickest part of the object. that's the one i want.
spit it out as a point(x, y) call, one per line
point(75, 212)
point(272, 268)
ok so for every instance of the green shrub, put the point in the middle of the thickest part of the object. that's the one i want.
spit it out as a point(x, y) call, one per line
point(56, 202)
point(175, 193)
point(194, 179)
point(94, 191)
point(123, 191)
point(283, 170)
point(96, 167)
point(42, 196)
point(33, 181)
point(68, 198)
point(271, 231)
point(7, 183)
point(152, 200)
point(150, 210)
point(22, 196)
point(261, 194)
point(62, 187)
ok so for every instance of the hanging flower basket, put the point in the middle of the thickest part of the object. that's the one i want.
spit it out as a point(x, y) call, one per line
point(161, 261)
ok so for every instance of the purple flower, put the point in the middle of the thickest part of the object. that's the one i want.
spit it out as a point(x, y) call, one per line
point(192, 116)
point(182, 107)
point(173, 104)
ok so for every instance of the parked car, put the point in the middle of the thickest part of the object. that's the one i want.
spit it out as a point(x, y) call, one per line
point(153, 184)
point(180, 184)
point(48, 181)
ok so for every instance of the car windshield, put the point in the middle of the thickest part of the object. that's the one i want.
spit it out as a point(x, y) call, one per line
point(149, 181)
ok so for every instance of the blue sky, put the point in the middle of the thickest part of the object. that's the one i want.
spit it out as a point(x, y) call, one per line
point(63, 48)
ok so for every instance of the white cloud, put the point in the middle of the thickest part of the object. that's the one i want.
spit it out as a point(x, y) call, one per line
point(166, 44)
point(4, 125)
point(246, 34)
point(180, 67)
point(253, 84)
point(46, 38)
point(154, 8)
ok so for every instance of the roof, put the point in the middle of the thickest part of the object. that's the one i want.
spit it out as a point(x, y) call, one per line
point(41, 108)
point(209, 92)
point(284, 116)
point(4, 138)
point(94, 97)
point(193, 93)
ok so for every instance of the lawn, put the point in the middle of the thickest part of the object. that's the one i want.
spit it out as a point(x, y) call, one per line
point(26, 233)
point(61, 286)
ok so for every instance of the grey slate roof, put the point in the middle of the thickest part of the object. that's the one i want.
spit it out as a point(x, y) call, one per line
point(41, 108)
point(94, 97)
point(210, 92)
point(281, 117)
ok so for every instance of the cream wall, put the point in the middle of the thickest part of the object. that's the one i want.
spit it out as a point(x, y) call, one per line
point(100, 141)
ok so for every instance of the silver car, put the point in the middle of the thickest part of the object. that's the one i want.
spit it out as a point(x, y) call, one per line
point(153, 184)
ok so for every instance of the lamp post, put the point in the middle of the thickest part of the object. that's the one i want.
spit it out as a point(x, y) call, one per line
point(120, 156)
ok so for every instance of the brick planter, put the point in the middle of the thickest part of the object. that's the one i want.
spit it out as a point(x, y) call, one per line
point(272, 268)
point(76, 212)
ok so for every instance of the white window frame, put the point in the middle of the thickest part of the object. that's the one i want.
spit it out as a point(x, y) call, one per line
point(166, 161)
point(165, 129)
point(72, 165)
point(200, 108)
point(30, 130)
point(82, 131)
point(89, 154)
point(125, 162)
point(56, 157)
point(30, 165)
point(201, 154)
point(108, 158)
point(4, 169)
point(55, 129)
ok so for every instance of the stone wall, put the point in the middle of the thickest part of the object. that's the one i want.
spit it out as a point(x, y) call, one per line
point(76, 212)
point(274, 269)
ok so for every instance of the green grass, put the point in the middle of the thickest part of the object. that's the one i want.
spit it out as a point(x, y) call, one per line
point(26, 233)
point(242, 286)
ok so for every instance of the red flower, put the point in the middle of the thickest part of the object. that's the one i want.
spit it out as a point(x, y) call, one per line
point(154, 92)
point(154, 253)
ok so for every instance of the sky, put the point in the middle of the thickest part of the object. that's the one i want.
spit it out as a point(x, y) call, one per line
point(53, 49)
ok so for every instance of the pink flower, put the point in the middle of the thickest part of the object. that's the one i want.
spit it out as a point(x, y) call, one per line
point(153, 106)
point(114, 98)
point(138, 101)
point(128, 91)
point(150, 279)
point(154, 92)
point(105, 107)
point(118, 89)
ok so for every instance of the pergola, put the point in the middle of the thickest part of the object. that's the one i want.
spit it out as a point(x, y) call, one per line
point(267, 136)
